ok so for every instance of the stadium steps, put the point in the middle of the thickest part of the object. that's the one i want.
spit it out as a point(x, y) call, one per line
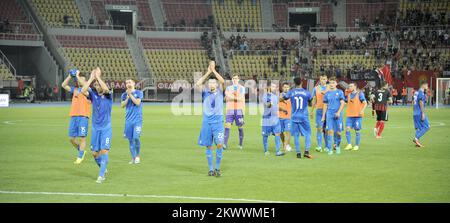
point(158, 12)
point(267, 14)
point(85, 10)
point(138, 57)
point(219, 55)
point(340, 13)
point(50, 41)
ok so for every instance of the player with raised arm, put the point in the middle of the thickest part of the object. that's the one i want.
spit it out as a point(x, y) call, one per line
point(212, 130)
point(79, 113)
point(334, 102)
point(284, 106)
point(132, 101)
point(270, 119)
point(235, 99)
point(356, 104)
point(300, 98)
point(101, 121)
point(420, 119)
point(381, 98)
point(317, 103)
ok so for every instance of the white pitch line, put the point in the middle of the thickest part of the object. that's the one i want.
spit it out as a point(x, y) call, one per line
point(140, 196)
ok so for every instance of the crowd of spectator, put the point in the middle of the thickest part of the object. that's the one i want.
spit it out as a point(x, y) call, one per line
point(417, 17)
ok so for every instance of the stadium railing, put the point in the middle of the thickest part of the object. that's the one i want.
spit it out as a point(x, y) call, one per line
point(5, 61)
point(174, 29)
point(91, 26)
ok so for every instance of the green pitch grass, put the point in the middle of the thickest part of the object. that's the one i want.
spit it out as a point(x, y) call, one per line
point(36, 156)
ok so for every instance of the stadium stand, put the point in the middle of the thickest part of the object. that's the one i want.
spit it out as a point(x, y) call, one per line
point(242, 15)
point(174, 59)
point(260, 57)
point(361, 13)
point(5, 73)
point(190, 13)
point(11, 11)
point(109, 53)
point(58, 12)
point(14, 25)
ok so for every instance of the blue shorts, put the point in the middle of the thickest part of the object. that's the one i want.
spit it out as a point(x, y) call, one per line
point(300, 128)
point(354, 123)
point(78, 126)
point(419, 124)
point(101, 139)
point(319, 123)
point(334, 124)
point(285, 125)
point(271, 130)
point(132, 130)
point(211, 132)
point(236, 116)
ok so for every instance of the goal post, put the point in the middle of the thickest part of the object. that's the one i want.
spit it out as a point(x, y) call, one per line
point(442, 92)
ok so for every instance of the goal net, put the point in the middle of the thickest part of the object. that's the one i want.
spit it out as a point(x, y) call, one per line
point(442, 92)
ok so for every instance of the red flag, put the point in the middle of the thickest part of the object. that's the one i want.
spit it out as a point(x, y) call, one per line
point(386, 72)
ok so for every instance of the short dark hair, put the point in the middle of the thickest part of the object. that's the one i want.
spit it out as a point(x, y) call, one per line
point(285, 83)
point(422, 82)
point(297, 81)
point(323, 75)
point(332, 78)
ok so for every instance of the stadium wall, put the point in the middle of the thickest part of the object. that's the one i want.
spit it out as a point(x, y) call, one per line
point(33, 61)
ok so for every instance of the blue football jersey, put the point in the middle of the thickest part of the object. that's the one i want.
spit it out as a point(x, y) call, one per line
point(418, 96)
point(133, 113)
point(333, 100)
point(270, 115)
point(212, 106)
point(299, 98)
point(101, 109)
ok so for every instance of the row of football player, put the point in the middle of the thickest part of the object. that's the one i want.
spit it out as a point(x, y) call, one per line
point(287, 114)
point(100, 99)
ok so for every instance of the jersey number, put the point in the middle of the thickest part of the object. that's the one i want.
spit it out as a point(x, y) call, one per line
point(299, 102)
point(380, 97)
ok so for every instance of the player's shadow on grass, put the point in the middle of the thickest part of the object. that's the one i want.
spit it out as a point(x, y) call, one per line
point(77, 172)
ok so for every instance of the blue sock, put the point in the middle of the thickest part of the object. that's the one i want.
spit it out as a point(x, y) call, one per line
point(358, 138)
point(218, 158)
point(103, 164)
point(137, 147)
point(98, 160)
point(421, 132)
point(319, 138)
point(265, 142)
point(209, 158)
point(80, 153)
point(325, 137)
point(132, 150)
point(348, 135)
point(328, 142)
point(277, 143)
point(307, 142)
point(337, 139)
point(297, 144)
